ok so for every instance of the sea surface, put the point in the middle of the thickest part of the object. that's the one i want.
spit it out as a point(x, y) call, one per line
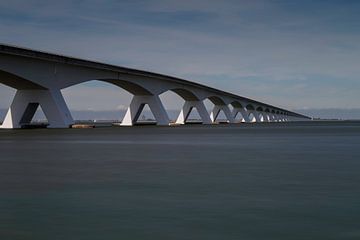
point(246, 181)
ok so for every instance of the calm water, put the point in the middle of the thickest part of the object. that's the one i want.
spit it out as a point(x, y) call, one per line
point(265, 181)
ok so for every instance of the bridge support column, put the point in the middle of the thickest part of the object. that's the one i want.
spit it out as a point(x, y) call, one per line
point(137, 105)
point(26, 102)
point(216, 110)
point(186, 110)
point(269, 117)
point(244, 114)
point(272, 117)
point(256, 115)
point(265, 117)
point(278, 118)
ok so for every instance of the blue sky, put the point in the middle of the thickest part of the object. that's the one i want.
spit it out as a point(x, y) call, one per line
point(295, 54)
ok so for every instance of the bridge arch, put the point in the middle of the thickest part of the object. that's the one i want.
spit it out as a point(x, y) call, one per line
point(236, 104)
point(261, 116)
point(18, 82)
point(260, 109)
point(266, 115)
point(250, 107)
point(87, 99)
point(145, 96)
point(174, 99)
point(143, 103)
point(252, 117)
point(221, 109)
point(183, 100)
point(216, 100)
point(187, 95)
point(131, 87)
point(239, 112)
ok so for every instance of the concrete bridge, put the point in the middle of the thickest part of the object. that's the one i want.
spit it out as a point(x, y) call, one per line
point(39, 77)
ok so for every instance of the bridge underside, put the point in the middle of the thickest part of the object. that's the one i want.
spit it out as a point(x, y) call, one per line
point(39, 77)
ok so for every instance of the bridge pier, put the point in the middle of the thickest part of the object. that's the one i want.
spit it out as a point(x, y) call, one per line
point(265, 117)
point(256, 116)
point(26, 102)
point(216, 110)
point(186, 110)
point(244, 114)
point(137, 105)
point(269, 117)
point(272, 117)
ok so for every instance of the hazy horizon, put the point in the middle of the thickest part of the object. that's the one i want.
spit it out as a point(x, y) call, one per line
point(117, 115)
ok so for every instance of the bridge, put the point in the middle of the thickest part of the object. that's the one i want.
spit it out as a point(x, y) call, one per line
point(39, 77)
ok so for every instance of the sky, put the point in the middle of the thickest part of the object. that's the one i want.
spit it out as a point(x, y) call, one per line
point(298, 55)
